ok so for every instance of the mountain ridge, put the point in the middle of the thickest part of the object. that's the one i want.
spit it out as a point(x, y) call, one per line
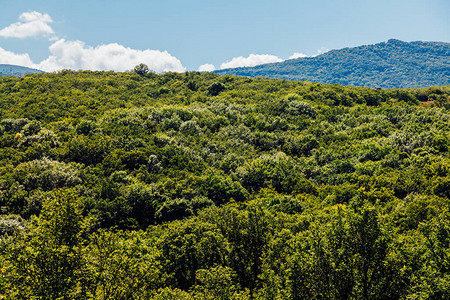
point(391, 64)
point(16, 70)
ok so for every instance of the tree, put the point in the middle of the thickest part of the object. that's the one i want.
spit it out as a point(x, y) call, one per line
point(189, 246)
point(247, 232)
point(217, 283)
point(141, 69)
point(44, 260)
point(353, 260)
point(121, 265)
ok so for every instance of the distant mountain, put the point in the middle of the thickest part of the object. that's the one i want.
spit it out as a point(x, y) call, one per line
point(17, 71)
point(392, 64)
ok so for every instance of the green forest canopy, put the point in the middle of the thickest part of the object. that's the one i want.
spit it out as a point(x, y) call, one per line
point(128, 186)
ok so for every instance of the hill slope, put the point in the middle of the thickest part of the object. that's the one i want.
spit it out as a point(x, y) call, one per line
point(198, 186)
point(392, 64)
point(13, 70)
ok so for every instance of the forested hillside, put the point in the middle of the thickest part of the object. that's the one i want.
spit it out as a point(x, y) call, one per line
point(200, 186)
point(394, 64)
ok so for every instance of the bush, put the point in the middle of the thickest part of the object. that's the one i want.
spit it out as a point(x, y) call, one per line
point(216, 88)
point(285, 204)
point(301, 108)
point(9, 224)
point(14, 125)
point(48, 174)
point(173, 210)
point(442, 188)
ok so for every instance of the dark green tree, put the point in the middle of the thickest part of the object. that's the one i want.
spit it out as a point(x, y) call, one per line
point(141, 69)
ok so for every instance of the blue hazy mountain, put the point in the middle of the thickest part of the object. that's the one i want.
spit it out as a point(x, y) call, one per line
point(17, 71)
point(391, 64)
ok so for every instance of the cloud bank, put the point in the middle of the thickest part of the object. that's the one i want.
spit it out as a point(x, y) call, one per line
point(297, 55)
point(320, 51)
point(77, 55)
point(30, 24)
point(256, 59)
point(250, 61)
point(7, 57)
point(206, 68)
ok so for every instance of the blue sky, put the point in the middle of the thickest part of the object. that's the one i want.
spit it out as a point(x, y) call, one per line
point(183, 35)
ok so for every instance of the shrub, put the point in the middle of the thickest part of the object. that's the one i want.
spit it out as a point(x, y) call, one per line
point(216, 88)
point(48, 174)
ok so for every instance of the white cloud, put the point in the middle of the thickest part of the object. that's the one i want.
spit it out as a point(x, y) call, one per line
point(30, 24)
point(320, 51)
point(250, 61)
point(297, 55)
point(7, 57)
point(206, 68)
point(77, 55)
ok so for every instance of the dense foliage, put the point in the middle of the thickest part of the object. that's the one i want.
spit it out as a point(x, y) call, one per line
point(199, 186)
point(394, 64)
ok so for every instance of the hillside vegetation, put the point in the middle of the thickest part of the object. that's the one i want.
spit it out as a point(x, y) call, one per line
point(200, 186)
point(394, 64)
